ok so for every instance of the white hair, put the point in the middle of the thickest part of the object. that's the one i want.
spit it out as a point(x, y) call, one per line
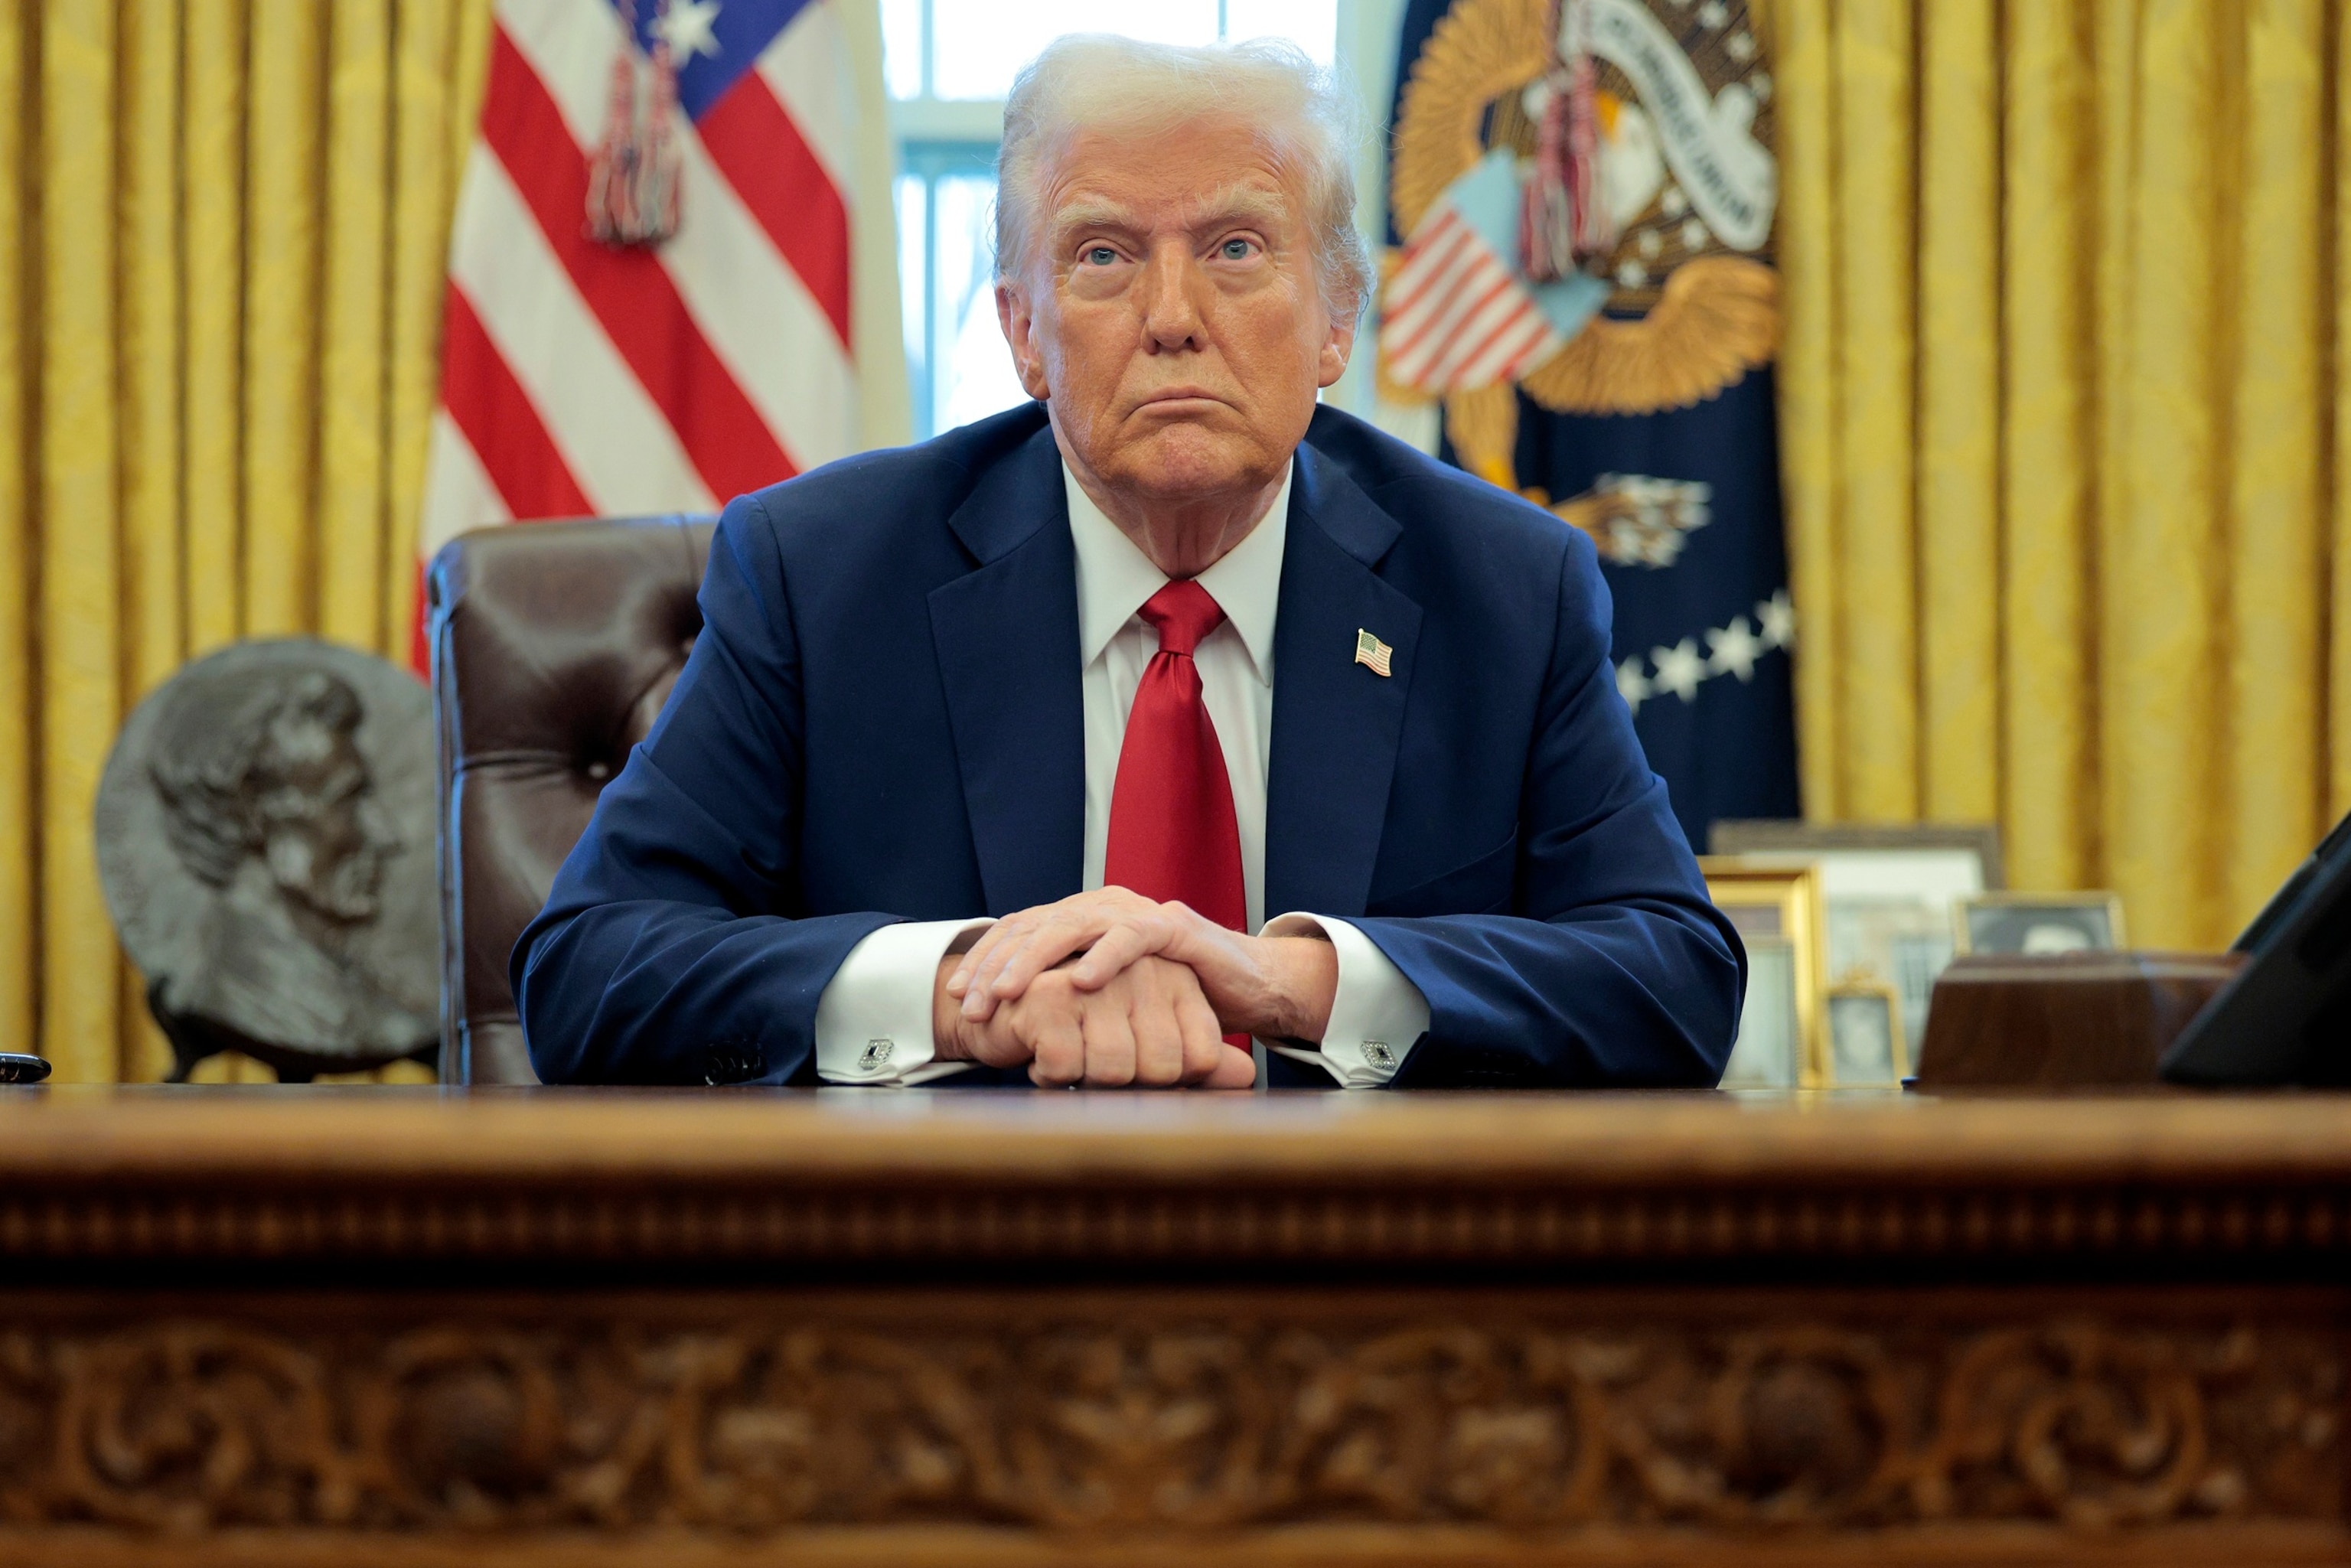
point(1098, 81)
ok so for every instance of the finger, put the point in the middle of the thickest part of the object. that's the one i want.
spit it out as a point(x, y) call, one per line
point(979, 997)
point(959, 981)
point(988, 937)
point(995, 1043)
point(1109, 1046)
point(1011, 968)
point(1060, 1053)
point(1204, 1043)
point(1158, 1035)
point(1117, 948)
point(1236, 1068)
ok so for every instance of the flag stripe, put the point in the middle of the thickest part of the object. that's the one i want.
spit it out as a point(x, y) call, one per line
point(1427, 350)
point(1505, 351)
point(807, 68)
point(621, 448)
point(489, 407)
point(1468, 287)
point(1510, 311)
point(753, 141)
point(634, 301)
point(458, 494)
point(1427, 268)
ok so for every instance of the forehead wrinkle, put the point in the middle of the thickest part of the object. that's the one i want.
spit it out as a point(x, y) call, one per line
point(1236, 203)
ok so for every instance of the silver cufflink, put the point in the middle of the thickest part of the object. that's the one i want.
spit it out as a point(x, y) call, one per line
point(876, 1054)
point(1377, 1054)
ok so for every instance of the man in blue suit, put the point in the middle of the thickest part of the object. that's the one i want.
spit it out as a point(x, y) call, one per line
point(996, 753)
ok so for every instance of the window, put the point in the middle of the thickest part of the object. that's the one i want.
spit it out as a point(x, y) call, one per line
point(949, 64)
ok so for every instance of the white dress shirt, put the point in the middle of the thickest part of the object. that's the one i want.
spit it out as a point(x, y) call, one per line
point(873, 1021)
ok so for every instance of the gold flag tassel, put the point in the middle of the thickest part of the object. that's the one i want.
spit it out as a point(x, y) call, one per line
point(633, 184)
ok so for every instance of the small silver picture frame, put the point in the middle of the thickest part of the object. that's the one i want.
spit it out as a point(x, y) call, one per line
point(2032, 923)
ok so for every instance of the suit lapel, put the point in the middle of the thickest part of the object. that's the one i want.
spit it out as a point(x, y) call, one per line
point(1336, 724)
point(1007, 639)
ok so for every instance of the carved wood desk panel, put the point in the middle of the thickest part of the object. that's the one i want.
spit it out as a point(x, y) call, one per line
point(374, 1327)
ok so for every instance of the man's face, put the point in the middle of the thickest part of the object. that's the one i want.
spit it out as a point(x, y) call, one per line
point(1169, 311)
point(331, 855)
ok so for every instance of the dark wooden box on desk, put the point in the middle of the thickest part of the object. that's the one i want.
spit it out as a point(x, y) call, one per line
point(2066, 1019)
point(741, 1328)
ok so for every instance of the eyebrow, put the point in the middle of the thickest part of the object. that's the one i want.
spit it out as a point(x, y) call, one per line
point(1234, 203)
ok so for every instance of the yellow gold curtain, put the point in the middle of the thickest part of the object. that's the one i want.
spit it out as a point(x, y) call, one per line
point(221, 252)
point(2062, 403)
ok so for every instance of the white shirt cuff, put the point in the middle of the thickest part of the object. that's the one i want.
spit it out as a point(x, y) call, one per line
point(873, 1021)
point(1376, 1014)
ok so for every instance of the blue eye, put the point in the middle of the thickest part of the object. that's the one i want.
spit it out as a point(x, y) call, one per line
point(1237, 250)
point(1101, 254)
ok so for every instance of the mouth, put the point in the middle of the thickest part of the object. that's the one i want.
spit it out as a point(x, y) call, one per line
point(1181, 400)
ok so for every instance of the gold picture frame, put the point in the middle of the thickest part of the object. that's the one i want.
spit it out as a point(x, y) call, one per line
point(1771, 907)
point(2093, 917)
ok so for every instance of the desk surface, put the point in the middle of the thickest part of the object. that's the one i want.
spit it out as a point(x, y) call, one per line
point(1325, 1138)
point(523, 1327)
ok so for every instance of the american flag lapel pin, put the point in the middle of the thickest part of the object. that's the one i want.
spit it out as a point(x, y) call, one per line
point(1373, 653)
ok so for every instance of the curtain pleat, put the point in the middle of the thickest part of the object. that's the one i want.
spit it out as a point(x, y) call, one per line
point(352, 443)
point(2047, 280)
point(212, 193)
point(154, 605)
point(1807, 384)
point(220, 279)
point(1876, 552)
point(1958, 411)
point(2338, 532)
point(281, 325)
point(2067, 526)
point(80, 583)
point(2274, 794)
point(19, 801)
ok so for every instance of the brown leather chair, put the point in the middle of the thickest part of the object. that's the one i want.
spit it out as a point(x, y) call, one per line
point(554, 647)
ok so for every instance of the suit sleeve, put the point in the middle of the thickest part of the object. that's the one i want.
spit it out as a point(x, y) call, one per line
point(666, 954)
point(1612, 970)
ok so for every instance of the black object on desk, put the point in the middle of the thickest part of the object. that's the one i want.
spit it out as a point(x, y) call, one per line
point(2286, 1017)
point(16, 1067)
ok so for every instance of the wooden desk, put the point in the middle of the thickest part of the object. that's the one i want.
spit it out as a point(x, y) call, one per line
point(381, 1327)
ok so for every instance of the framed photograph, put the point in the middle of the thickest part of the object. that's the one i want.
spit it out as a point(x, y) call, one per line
point(1769, 1050)
point(1777, 912)
point(1781, 836)
point(1889, 894)
point(1867, 1047)
point(2028, 922)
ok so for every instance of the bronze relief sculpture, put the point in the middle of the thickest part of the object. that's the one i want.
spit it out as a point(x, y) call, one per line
point(264, 836)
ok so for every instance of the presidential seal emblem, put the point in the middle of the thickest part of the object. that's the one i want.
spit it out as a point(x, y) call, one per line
point(1587, 190)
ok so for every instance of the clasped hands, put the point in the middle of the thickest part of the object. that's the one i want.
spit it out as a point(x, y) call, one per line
point(1112, 989)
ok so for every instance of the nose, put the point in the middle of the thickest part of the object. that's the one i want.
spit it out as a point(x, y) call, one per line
point(1171, 316)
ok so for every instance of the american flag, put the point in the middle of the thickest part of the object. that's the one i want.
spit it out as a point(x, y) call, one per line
point(583, 377)
point(1457, 316)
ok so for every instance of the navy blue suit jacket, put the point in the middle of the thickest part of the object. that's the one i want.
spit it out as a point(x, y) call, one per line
point(882, 721)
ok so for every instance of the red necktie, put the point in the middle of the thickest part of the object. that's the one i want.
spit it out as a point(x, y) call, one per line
point(1173, 833)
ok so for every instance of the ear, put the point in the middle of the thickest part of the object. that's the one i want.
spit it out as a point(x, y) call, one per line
point(1019, 324)
point(1337, 350)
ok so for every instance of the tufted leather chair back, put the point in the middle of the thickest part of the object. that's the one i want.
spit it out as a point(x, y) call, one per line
point(554, 647)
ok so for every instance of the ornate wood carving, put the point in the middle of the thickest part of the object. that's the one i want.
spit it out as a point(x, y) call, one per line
point(1119, 1414)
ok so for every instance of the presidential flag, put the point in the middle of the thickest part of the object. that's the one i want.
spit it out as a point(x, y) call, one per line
point(648, 307)
point(1601, 340)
